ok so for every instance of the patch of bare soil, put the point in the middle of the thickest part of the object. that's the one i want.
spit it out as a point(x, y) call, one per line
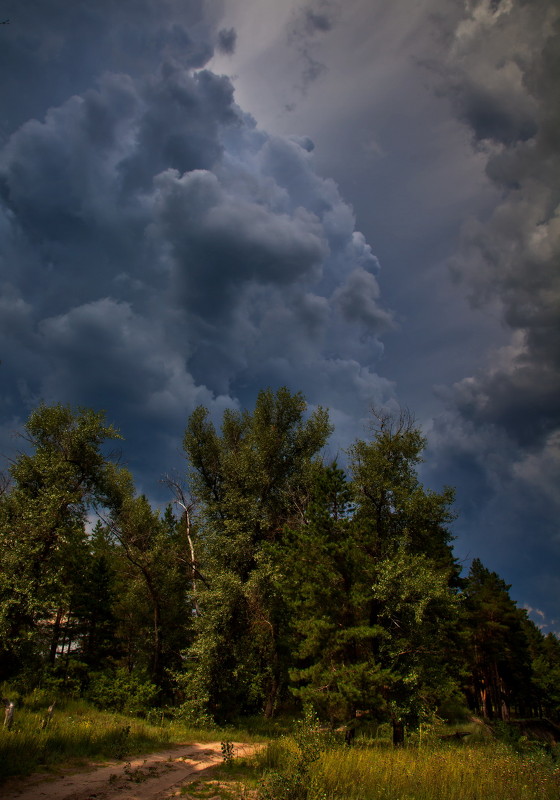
point(154, 777)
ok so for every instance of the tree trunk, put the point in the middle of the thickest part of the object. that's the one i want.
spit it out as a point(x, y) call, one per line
point(272, 695)
point(158, 642)
point(274, 686)
point(158, 645)
point(398, 732)
point(55, 636)
point(350, 731)
point(504, 703)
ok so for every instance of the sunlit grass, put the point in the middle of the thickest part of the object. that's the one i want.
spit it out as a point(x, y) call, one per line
point(428, 768)
point(371, 770)
point(79, 733)
point(480, 772)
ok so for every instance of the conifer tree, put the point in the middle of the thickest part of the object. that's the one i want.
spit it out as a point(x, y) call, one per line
point(373, 598)
point(498, 645)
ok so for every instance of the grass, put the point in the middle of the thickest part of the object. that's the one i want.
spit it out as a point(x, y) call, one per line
point(426, 769)
point(79, 733)
point(464, 772)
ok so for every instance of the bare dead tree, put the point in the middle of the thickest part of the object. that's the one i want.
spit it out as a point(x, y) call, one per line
point(392, 423)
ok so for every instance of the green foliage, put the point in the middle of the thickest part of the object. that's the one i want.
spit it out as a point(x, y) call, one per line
point(247, 480)
point(371, 593)
point(284, 583)
point(500, 660)
point(151, 604)
point(393, 507)
point(122, 691)
point(291, 780)
point(42, 539)
point(546, 675)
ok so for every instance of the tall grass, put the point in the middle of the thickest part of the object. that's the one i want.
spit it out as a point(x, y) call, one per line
point(482, 772)
point(427, 769)
point(76, 735)
point(79, 733)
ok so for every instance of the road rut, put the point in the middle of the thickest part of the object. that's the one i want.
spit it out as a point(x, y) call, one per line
point(156, 776)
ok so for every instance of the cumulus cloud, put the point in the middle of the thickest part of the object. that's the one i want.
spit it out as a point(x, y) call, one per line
point(162, 251)
point(357, 299)
point(498, 440)
point(506, 53)
point(502, 76)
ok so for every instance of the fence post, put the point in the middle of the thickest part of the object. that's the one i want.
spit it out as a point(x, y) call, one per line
point(47, 718)
point(9, 714)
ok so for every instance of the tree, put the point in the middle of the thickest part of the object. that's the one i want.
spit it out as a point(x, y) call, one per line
point(373, 599)
point(246, 479)
point(394, 509)
point(499, 655)
point(42, 525)
point(372, 623)
point(546, 676)
point(153, 579)
point(404, 535)
point(328, 594)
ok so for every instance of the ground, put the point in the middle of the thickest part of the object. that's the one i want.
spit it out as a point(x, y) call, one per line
point(183, 771)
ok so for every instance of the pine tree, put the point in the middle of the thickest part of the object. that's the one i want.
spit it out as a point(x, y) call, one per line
point(546, 676)
point(373, 600)
point(498, 645)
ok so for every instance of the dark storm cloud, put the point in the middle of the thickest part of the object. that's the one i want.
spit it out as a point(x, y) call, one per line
point(507, 123)
point(158, 250)
point(180, 126)
point(513, 256)
point(358, 300)
point(504, 420)
point(227, 39)
point(220, 242)
point(56, 49)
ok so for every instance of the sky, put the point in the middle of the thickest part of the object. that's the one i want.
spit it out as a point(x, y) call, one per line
point(358, 200)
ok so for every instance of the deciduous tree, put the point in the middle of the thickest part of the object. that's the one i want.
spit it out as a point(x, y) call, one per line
point(42, 524)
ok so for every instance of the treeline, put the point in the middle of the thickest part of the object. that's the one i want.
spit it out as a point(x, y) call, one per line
point(272, 578)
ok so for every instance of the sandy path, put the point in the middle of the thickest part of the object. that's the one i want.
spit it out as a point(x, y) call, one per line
point(152, 777)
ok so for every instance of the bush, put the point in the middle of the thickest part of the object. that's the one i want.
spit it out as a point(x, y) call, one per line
point(291, 759)
point(127, 692)
point(194, 713)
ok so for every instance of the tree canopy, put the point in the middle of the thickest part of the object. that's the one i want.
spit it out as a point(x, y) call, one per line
point(274, 578)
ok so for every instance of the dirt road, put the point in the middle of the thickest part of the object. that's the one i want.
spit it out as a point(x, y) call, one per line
point(152, 777)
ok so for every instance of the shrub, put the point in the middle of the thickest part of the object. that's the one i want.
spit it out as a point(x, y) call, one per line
point(128, 692)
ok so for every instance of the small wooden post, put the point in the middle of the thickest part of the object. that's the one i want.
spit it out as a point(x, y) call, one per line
point(9, 715)
point(47, 718)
